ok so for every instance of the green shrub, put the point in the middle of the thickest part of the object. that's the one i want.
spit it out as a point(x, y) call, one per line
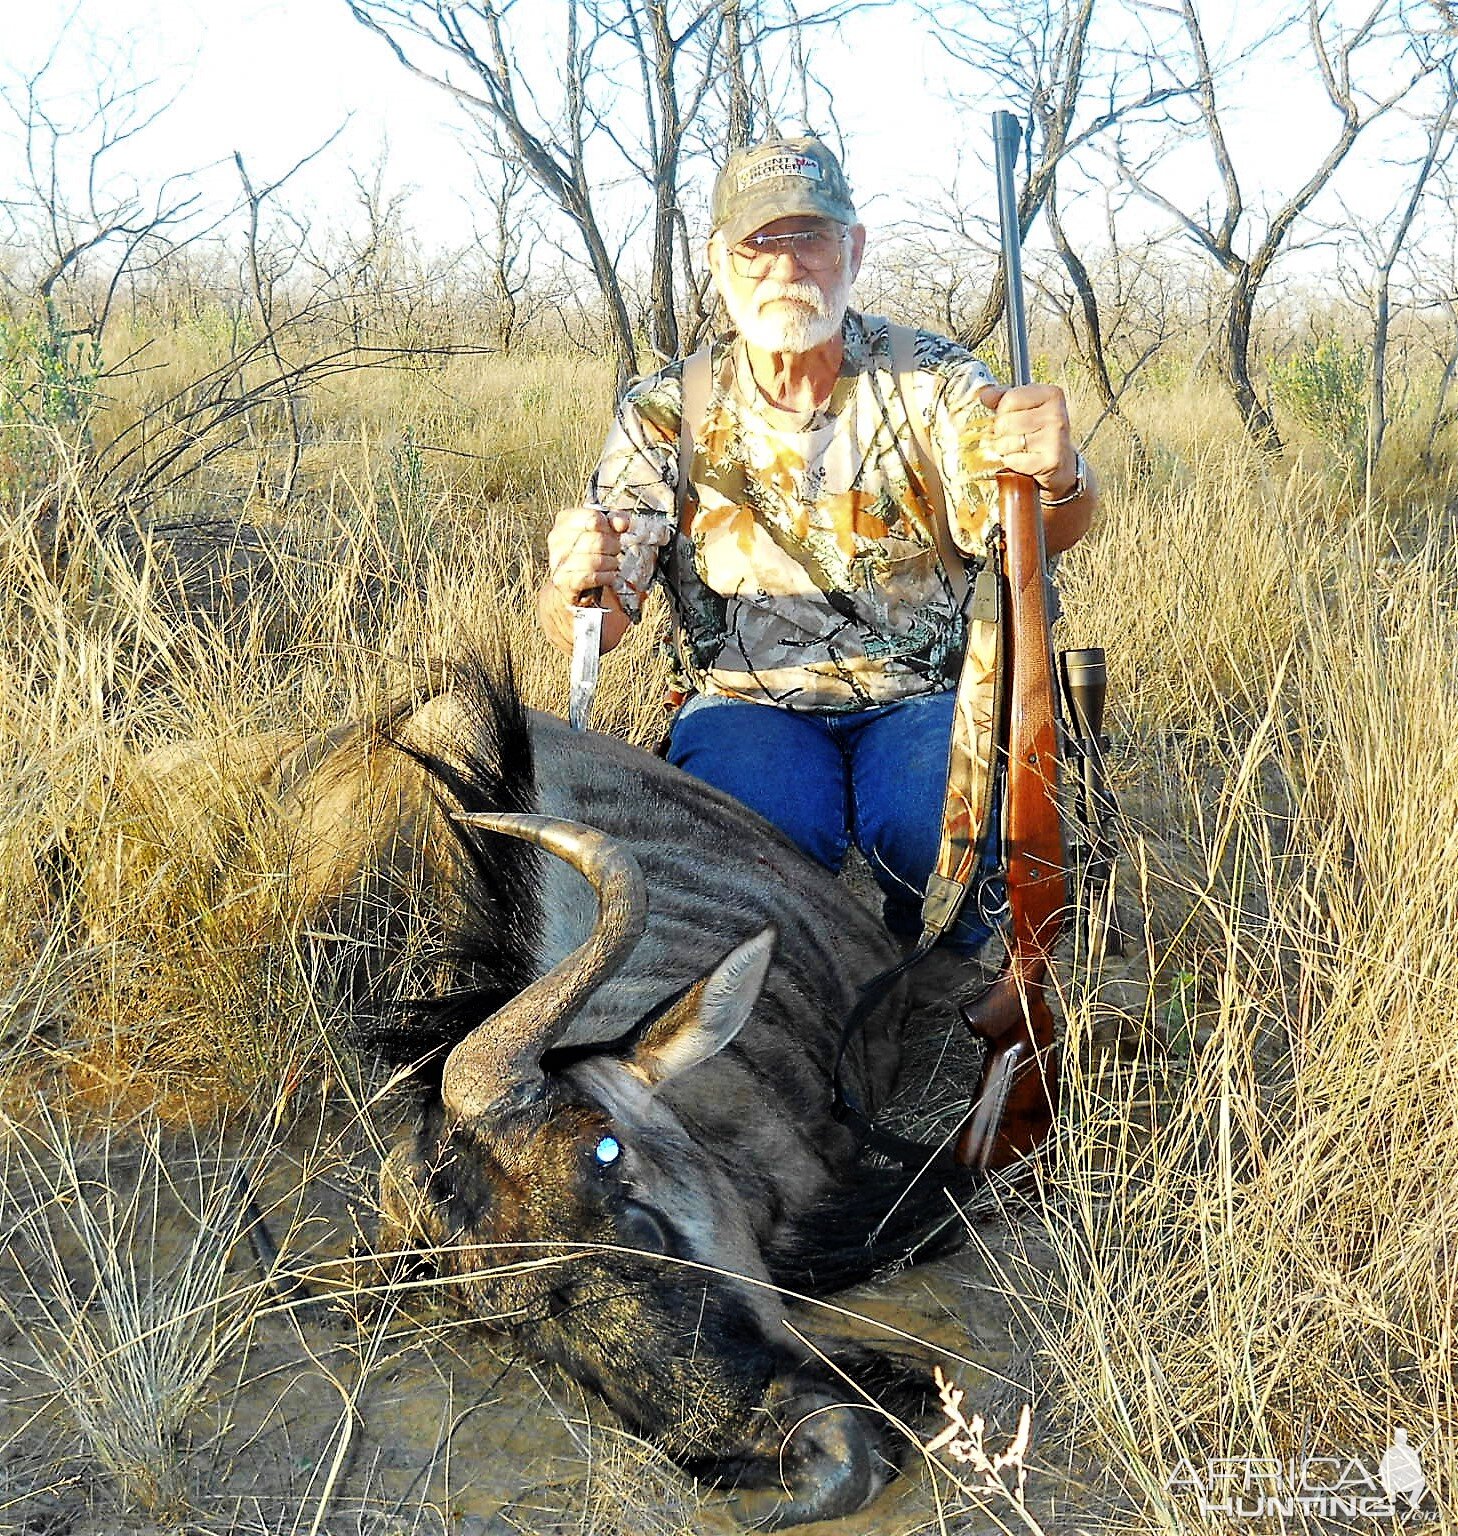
point(1324, 385)
point(48, 395)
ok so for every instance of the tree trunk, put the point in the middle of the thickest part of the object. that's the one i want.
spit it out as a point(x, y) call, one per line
point(741, 112)
point(662, 302)
point(1260, 425)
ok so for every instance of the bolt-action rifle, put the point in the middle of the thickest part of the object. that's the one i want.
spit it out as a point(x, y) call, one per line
point(1014, 1108)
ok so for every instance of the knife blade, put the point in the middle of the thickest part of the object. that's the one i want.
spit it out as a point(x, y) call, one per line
point(586, 657)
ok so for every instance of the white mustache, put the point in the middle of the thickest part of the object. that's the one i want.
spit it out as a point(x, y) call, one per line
point(799, 293)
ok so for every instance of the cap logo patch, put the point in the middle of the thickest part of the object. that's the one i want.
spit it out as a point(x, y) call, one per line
point(782, 165)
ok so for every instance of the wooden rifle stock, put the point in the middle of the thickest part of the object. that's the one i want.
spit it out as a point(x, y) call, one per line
point(1014, 1109)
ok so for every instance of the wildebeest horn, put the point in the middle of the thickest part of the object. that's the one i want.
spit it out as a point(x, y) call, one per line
point(501, 1058)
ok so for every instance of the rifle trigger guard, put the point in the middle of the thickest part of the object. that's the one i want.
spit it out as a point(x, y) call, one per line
point(993, 904)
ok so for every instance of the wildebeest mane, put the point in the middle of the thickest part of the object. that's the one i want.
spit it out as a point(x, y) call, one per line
point(876, 1219)
point(493, 935)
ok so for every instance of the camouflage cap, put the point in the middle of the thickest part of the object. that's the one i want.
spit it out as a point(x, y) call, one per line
point(776, 180)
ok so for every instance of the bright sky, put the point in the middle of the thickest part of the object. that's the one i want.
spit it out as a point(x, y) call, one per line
point(274, 78)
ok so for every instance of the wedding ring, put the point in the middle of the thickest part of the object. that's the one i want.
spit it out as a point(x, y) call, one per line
point(1024, 447)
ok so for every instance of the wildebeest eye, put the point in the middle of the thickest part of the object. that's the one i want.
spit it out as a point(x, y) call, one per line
point(607, 1151)
point(640, 1228)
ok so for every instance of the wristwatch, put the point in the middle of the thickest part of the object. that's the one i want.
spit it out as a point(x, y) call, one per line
point(1080, 485)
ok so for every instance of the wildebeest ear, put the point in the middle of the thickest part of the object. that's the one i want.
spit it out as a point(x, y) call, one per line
point(708, 1016)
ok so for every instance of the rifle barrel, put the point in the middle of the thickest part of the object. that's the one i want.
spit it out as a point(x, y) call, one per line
point(1007, 134)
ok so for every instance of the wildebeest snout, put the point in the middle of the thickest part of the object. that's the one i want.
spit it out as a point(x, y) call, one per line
point(823, 1457)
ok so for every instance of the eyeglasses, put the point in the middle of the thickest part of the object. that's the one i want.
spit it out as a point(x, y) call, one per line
point(814, 250)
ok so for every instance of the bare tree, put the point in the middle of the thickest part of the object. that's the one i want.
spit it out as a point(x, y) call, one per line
point(1088, 338)
point(739, 128)
point(473, 57)
point(298, 325)
point(1336, 54)
point(1039, 54)
point(506, 244)
point(374, 271)
point(264, 271)
point(1436, 296)
point(659, 49)
point(1443, 415)
point(63, 217)
point(79, 226)
point(470, 51)
point(1438, 147)
point(908, 273)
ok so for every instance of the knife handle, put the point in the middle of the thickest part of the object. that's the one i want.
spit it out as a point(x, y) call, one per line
point(592, 597)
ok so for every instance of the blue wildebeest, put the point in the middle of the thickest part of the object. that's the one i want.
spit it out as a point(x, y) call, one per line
point(627, 1071)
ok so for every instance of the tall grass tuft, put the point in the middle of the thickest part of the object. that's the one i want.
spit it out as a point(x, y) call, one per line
point(125, 1298)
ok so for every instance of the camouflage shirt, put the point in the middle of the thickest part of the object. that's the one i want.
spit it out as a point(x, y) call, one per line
point(803, 569)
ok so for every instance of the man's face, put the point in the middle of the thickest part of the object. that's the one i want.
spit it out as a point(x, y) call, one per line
point(787, 285)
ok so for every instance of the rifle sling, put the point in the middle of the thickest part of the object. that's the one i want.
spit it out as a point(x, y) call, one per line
point(1034, 839)
point(967, 803)
point(698, 385)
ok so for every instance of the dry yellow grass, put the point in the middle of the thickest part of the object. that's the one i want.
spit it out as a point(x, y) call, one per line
point(1244, 1244)
point(1269, 1271)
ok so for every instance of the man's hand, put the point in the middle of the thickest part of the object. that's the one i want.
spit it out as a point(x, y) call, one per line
point(1032, 436)
point(583, 551)
point(583, 548)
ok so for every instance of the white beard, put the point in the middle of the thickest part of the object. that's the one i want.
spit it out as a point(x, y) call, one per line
point(809, 322)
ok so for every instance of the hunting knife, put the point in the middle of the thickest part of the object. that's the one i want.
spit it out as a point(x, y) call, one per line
point(586, 657)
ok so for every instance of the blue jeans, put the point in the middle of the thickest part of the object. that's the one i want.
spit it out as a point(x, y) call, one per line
point(873, 777)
